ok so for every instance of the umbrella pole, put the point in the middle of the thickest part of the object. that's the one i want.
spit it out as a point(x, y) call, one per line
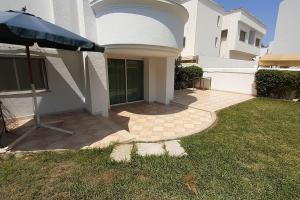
point(35, 105)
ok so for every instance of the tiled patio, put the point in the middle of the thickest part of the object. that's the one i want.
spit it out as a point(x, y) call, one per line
point(191, 112)
point(155, 122)
point(209, 100)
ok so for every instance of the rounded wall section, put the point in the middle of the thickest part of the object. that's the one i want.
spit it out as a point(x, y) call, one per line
point(140, 22)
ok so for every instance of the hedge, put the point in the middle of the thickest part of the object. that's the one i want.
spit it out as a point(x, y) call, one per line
point(185, 75)
point(277, 84)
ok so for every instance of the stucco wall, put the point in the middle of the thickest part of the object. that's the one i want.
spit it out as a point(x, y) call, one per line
point(190, 28)
point(287, 32)
point(139, 23)
point(230, 75)
point(208, 29)
point(159, 78)
point(66, 86)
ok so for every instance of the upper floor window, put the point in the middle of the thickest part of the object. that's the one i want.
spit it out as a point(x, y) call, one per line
point(14, 74)
point(251, 38)
point(219, 21)
point(184, 42)
point(243, 35)
point(216, 42)
point(224, 35)
point(257, 42)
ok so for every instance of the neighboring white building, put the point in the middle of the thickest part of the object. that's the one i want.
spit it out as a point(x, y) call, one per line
point(203, 29)
point(287, 40)
point(242, 35)
point(142, 39)
point(212, 32)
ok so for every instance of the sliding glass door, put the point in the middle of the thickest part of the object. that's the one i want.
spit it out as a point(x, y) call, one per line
point(126, 80)
point(135, 80)
point(117, 81)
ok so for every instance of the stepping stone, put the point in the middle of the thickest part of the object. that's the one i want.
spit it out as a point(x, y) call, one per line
point(150, 149)
point(174, 148)
point(122, 153)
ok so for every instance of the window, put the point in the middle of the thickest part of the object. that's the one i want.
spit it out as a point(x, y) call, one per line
point(218, 21)
point(224, 35)
point(184, 41)
point(216, 42)
point(257, 42)
point(251, 37)
point(14, 75)
point(243, 36)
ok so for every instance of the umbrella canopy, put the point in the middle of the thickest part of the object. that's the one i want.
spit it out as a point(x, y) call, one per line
point(287, 60)
point(26, 29)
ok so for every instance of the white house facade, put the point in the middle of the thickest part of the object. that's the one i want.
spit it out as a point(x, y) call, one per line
point(203, 29)
point(142, 40)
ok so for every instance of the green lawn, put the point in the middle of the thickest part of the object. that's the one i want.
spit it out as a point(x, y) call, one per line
point(252, 153)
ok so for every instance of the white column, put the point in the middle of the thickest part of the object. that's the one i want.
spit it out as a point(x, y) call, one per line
point(97, 95)
point(170, 76)
point(159, 79)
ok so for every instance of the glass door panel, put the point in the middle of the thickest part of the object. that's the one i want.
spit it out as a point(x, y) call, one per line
point(117, 81)
point(135, 80)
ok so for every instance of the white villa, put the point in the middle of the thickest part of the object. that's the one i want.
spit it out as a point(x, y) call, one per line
point(142, 40)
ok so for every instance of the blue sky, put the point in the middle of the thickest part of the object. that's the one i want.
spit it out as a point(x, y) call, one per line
point(264, 10)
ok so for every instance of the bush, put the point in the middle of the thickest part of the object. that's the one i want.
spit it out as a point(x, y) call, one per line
point(185, 75)
point(277, 84)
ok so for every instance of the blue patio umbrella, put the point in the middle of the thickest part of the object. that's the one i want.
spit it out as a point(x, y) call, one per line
point(22, 28)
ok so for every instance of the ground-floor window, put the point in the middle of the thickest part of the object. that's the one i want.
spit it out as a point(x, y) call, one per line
point(126, 80)
point(14, 75)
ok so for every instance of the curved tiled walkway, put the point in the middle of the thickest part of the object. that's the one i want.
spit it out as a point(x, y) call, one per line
point(156, 122)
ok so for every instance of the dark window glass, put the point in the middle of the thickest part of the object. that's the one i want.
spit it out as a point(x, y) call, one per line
point(8, 81)
point(14, 74)
point(224, 34)
point(257, 42)
point(243, 36)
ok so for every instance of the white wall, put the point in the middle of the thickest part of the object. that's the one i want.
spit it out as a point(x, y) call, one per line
point(97, 98)
point(66, 85)
point(287, 32)
point(208, 29)
point(190, 28)
point(159, 80)
point(230, 75)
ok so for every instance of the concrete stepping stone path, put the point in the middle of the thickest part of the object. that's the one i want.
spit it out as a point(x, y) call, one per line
point(174, 148)
point(122, 152)
point(150, 149)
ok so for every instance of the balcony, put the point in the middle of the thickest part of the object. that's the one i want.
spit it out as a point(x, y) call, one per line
point(141, 25)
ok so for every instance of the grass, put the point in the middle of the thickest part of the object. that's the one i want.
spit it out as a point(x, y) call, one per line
point(252, 153)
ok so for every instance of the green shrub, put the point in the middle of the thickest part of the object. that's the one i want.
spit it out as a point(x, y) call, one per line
point(185, 75)
point(277, 84)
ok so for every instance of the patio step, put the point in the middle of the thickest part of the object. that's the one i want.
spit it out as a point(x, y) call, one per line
point(122, 152)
